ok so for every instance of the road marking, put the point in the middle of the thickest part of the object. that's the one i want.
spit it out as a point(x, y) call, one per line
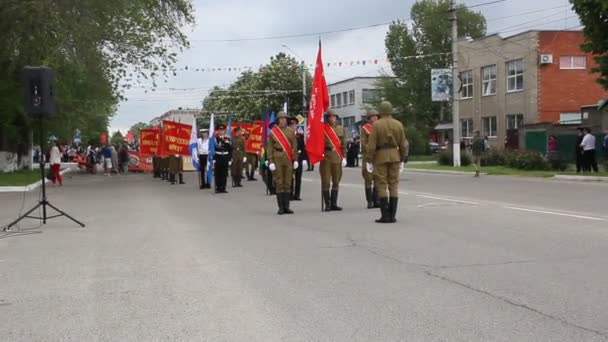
point(448, 199)
point(556, 213)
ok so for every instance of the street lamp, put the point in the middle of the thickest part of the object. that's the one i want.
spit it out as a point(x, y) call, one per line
point(303, 77)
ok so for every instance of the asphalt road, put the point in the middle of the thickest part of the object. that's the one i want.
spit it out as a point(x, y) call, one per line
point(490, 259)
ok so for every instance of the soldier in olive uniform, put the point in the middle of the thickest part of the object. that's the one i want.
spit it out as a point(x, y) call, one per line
point(238, 158)
point(155, 166)
point(173, 167)
point(282, 159)
point(371, 193)
point(333, 162)
point(296, 188)
point(252, 160)
point(270, 187)
point(164, 165)
point(387, 151)
point(221, 159)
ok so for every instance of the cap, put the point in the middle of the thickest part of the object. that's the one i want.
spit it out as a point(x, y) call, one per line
point(281, 114)
point(237, 128)
point(331, 112)
point(385, 108)
point(220, 127)
point(203, 130)
point(372, 112)
point(292, 119)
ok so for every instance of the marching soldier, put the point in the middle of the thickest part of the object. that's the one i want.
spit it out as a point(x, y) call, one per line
point(165, 168)
point(302, 161)
point(238, 158)
point(387, 152)
point(333, 162)
point(252, 160)
point(270, 186)
point(180, 168)
point(203, 154)
point(371, 194)
point(173, 167)
point(282, 159)
point(221, 159)
point(155, 166)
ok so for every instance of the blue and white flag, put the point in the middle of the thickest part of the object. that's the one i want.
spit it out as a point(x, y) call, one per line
point(229, 128)
point(272, 119)
point(193, 147)
point(211, 150)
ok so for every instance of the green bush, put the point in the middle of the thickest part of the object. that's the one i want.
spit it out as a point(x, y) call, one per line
point(493, 158)
point(446, 158)
point(419, 143)
point(520, 159)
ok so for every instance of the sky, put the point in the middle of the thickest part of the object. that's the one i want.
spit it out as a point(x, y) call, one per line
point(238, 19)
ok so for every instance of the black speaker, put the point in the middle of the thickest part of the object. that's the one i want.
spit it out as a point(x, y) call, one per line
point(38, 87)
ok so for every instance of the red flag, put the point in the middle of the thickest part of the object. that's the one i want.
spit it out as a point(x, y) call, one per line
point(319, 101)
point(103, 138)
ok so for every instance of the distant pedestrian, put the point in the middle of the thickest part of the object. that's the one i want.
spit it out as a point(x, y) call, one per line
point(55, 163)
point(553, 152)
point(123, 158)
point(588, 145)
point(107, 160)
point(115, 160)
point(578, 150)
point(606, 146)
point(477, 149)
point(486, 144)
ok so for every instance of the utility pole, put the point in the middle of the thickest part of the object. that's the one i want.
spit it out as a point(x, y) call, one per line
point(455, 88)
point(303, 89)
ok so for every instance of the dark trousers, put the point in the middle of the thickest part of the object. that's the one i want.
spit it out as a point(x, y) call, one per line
point(221, 174)
point(589, 161)
point(297, 184)
point(202, 161)
point(579, 161)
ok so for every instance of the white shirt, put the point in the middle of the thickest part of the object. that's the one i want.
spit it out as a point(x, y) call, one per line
point(55, 157)
point(588, 142)
point(203, 146)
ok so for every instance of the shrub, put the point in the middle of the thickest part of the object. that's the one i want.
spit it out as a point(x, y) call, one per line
point(447, 158)
point(419, 144)
point(605, 163)
point(493, 158)
point(465, 159)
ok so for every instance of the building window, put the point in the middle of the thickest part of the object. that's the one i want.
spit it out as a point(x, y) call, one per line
point(573, 62)
point(515, 121)
point(467, 85)
point(345, 98)
point(351, 97)
point(488, 80)
point(338, 100)
point(570, 118)
point(348, 123)
point(333, 101)
point(370, 96)
point(488, 126)
point(466, 128)
point(515, 75)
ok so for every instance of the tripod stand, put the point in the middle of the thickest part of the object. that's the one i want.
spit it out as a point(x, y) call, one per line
point(44, 203)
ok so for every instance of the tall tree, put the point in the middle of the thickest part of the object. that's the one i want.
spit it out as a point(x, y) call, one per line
point(117, 138)
point(417, 47)
point(593, 14)
point(136, 128)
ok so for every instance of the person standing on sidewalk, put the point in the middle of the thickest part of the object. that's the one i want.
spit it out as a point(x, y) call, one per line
point(477, 148)
point(588, 145)
point(55, 163)
point(203, 154)
point(107, 160)
point(123, 158)
point(578, 150)
point(371, 193)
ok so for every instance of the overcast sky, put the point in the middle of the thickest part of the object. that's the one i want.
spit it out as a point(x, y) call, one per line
point(234, 19)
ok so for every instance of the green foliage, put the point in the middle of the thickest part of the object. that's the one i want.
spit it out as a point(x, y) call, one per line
point(446, 158)
point(271, 86)
point(136, 128)
point(516, 159)
point(419, 143)
point(117, 138)
point(592, 14)
point(429, 34)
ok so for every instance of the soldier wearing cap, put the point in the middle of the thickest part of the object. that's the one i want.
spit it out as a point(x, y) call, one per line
point(221, 159)
point(238, 157)
point(296, 187)
point(252, 160)
point(387, 152)
point(282, 159)
point(270, 187)
point(202, 145)
point(155, 166)
point(333, 161)
point(371, 193)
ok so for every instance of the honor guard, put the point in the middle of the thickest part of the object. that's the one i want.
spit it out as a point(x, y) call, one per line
point(221, 159)
point(282, 159)
point(252, 159)
point(387, 152)
point(371, 193)
point(202, 145)
point(156, 166)
point(270, 188)
point(238, 158)
point(333, 161)
point(296, 187)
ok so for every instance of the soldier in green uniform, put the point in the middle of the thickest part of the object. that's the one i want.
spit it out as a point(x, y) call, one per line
point(282, 159)
point(252, 159)
point(238, 158)
point(155, 167)
point(180, 169)
point(387, 151)
point(173, 167)
point(371, 193)
point(332, 163)
point(163, 168)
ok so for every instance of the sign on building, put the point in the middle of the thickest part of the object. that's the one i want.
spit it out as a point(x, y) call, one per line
point(441, 84)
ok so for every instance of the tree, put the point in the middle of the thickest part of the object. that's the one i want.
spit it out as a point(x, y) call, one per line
point(117, 138)
point(136, 128)
point(272, 85)
point(593, 15)
point(414, 49)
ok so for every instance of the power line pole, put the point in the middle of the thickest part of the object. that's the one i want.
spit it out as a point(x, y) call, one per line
point(303, 90)
point(455, 90)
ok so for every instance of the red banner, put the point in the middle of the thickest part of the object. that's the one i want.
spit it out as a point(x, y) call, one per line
point(254, 144)
point(319, 101)
point(139, 162)
point(244, 126)
point(175, 138)
point(149, 139)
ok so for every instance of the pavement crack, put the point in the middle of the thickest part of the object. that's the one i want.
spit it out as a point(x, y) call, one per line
point(517, 305)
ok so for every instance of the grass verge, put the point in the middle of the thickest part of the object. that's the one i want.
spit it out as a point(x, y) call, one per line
point(506, 171)
point(19, 178)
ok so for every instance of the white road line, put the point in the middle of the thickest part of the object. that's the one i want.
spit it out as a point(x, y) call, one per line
point(448, 199)
point(556, 213)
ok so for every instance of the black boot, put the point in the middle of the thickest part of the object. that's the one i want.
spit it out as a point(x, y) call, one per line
point(327, 200)
point(162, 175)
point(172, 178)
point(369, 198)
point(385, 211)
point(392, 204)
point(334, 201)
point(375, 198)
point(286, 198)
point(181, 178)
point(280, 204)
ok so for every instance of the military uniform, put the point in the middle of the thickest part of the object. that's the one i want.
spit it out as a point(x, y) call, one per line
point(331, 165)
point(176, 166)
point(251, 162)
point(238, 154)
point(280, 160)
point(156, 166)
point(270, 188)
point(371, 194)
point(302, 159)
point(387, 148)
point(221, 161)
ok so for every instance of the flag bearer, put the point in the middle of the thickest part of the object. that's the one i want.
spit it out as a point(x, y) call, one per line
point(238, 157)
point(296, 188)
point(221, 159)
point(371, 193)
point(282, 159)
point(333, 162)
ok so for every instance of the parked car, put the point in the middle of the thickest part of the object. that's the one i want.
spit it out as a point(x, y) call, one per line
point(434, 147)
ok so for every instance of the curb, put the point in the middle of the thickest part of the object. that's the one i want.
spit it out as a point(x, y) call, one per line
point(27, 188)
point(581, 178)
point(443, 172)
